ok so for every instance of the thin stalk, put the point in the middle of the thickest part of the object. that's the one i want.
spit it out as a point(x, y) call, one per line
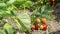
point(24, 9)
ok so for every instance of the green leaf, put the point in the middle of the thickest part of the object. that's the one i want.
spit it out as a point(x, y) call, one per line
point(25, 21)
point(11, 7)
point(3, 5)
point(18, 3)
point(23, 3)
point(48, 17)
point(2, 31)
point(28, 4)
point(43, 9)
point(8, 28)
point(36, 12)
point(50, 10)
point(4, 13)
point(11, 1)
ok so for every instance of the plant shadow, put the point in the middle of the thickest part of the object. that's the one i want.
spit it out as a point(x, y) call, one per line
point(57, 12)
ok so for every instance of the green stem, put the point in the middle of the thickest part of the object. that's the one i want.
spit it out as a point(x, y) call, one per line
point(24, 9)
point(19, 23)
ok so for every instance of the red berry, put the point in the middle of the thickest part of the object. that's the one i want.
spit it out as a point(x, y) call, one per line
point(43, 20)
point(32, 27)
point(52, 1)
point(37, 26)
point(38, 21)
point(41, 27)
point(44, 26)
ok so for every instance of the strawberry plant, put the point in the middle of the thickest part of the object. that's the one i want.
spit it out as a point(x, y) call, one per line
point(43, 13)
